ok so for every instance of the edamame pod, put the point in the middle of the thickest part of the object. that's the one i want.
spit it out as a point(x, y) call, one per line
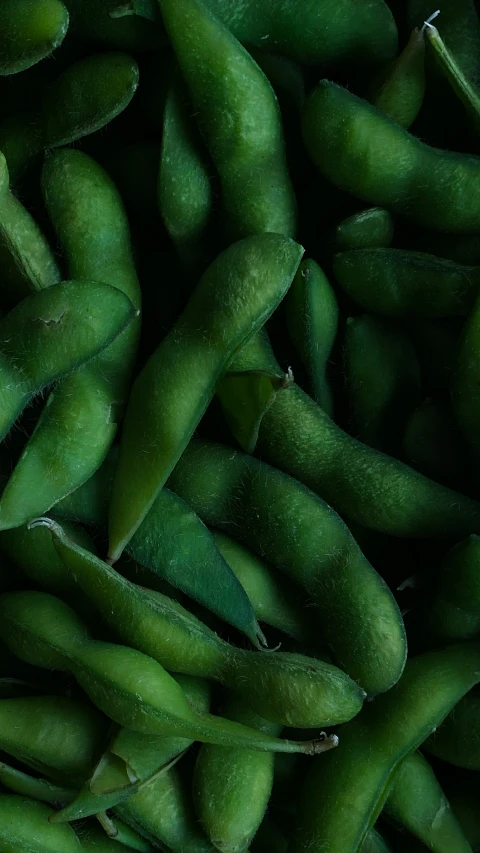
point(363, 152)
point(185, 197)
point(457, 739)
point(29, 31)
point(102, 22)
point(176, 385)
point(341, 799)
point(161, 628)
point(417, 803)
point(132, 688)
point(26, 260)
point(302, 536)
point(229, 91)
point(460, 26)
point(31, 786)
point(399, 283)
point(232, 787)
point(375, 490)
point(465, 382)
point(466, 91)
point(24, 825)
point(454, 611)
point(84, 98)
point(53, 735)
point(383, 380)
point(81, 415)
point(50, 333)
point(311, 312)
point(434, 446)
point(398, 90)
point(368, 229)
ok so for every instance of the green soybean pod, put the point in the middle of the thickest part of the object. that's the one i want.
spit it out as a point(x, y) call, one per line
point(176, 385)
point(369, 487)
point(383, 380)
point(224, 80)
point(53, 735)
point(436, 344)
point(302, 536)
point(81, 415)
point(36, 788)
point(272, 597)
point(461, 788)
point(336, 808)
point(398, 90)
point(344, 135)
point(184, 190)
point(93, 839)
point(465, 396)
point(457, 740)
point(375, 843)
point(465, 90)
point(161, 628)
point(433, 445)
point(311, 313)
point(26, 260)
point(29, 31)
point(83, 99)
point(50, 333)
point(460, 26)
point(24, 825)
point(132, 688)
point(110, 23)
point(368, 229)
point(417, 803)
point(126, 835)
point(453, 613)
point(399, 283)
point(232, 787)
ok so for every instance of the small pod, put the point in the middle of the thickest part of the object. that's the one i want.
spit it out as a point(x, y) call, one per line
point(369, 229)
point(232, 787)
point(25, 826)
point(311, 313)
point(173, 390)
point(457, 740)
point(49, 334)
point(433, 445)
point(453, 613)
point(383, 381)
point(401, 283)
point(398, 90)
point(224, 80)
point(30, 30)
point(364, 152)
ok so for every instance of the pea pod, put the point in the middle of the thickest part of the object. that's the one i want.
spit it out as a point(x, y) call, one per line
point(399, 283)
point(29, 31)
point(186, 367)
point(301, 535)
point(312, 321)
point(50, 333)
point(417, 803)
point(83, 99)
point(24, 825)
point(344, 135)
point(223, 79)
point(81, 416)
point(337, 810)
point(383, 380)
point(359, 482)
point(163, 629)
point(132, 688)
point(398, 90)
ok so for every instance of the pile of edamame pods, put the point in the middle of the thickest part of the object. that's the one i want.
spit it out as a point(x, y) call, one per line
point(239, 426)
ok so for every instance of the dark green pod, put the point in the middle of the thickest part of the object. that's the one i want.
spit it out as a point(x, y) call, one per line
point(456, 741)
point(29, 31)
point(369, 229)
point(399, 89)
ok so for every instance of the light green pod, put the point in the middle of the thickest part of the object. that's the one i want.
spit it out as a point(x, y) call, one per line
point(132, 688)
point(93, 839)
point(83, 99)
point(184, 190)
point(383, 381)
point(465, 382)
point(176, 385)
point(53, 735)
point(399, 89)
point(365, 153)
point(239, 117)
point(81, 415)
point(458, 738)
point(272, 597)
point(302, 536)
point(26, 260)
point(232, 787)
point(49, 334)
point(345, 792)
point(29, 31)
point(311, 313)
point(36, 788)
point(416, 803)
point(369, 229)
point(400, 283)
point(287, 688)
point(24, 826)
